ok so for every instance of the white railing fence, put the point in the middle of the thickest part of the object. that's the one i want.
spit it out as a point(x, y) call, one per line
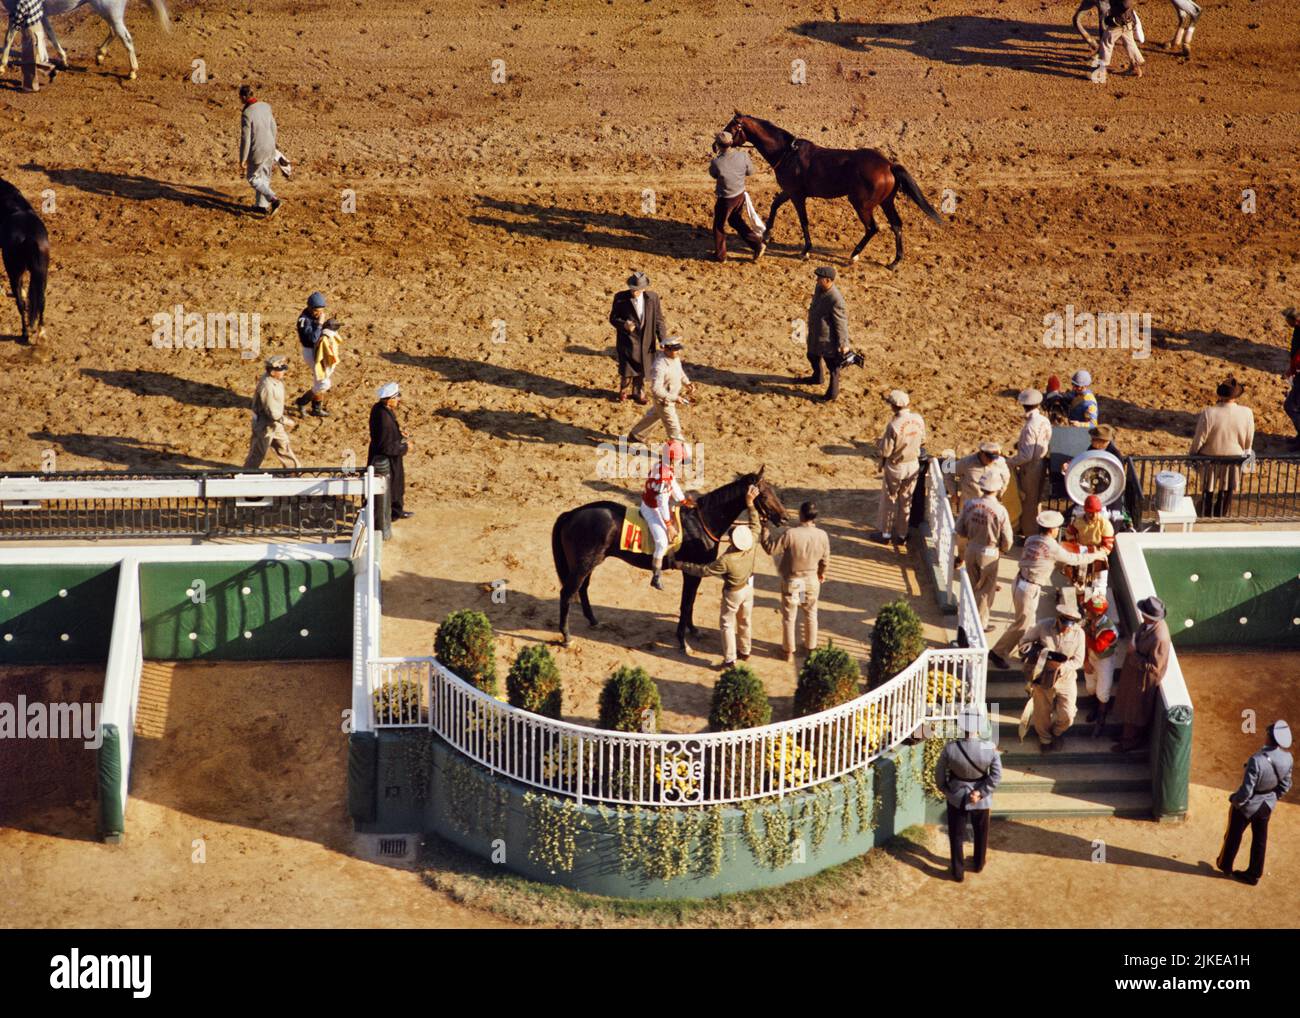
point(968, 616)
point(657, 770)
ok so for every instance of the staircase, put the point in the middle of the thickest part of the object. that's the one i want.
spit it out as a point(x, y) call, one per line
point(1085, 778)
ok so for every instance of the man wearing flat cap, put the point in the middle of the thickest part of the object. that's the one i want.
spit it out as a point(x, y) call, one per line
point(736, 568)
point(900, 467)
point(967, 771)
point(270, 423)
point(1292, 374)
point(729, 168)
point(828, 331)
point(1041, 555)
point(1030, 459)
point(1225, 429)
point(638, 330)
point(669, 388)
point(986, 526)
point(1267, 779)
point(1140, 676)
point(1053, 651)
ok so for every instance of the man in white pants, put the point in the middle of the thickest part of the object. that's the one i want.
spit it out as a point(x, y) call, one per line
point(1120, 25)
point(1188, 13)
point(661, 493)
point(669, 387)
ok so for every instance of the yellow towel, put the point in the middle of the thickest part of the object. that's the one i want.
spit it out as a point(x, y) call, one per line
point(327, 354)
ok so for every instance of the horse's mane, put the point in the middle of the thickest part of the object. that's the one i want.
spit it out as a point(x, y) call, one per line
point(780, 132)
point(731, 489)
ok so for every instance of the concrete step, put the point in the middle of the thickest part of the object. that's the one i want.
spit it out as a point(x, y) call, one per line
point(1008, 688)
point(1050, 775)
point(1026, 805)
point(1007, 722)
point(1078, 749)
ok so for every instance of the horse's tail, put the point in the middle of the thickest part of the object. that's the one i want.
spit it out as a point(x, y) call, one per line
point(160, 12)
point(557, 549)
point(38, 268)
point(903, 181)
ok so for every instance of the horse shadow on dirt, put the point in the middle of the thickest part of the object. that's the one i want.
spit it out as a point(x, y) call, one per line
point(964, 41)
point(461, 369)
point(646, 235)
point(183, 390)
point(135, 187)
point(1222, 345)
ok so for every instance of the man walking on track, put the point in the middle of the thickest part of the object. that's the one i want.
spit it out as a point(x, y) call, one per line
point(270, 423)
point(1119, 25)
point(802, 555)
point(967, 772)
point(828, 332)
point(1030, 459)
point(900, 467)
point(1267, 779)
point(729, 168)
point(985, 525)
point(669, 387)
point(736, 568)
point(257, 149)
point(1292, 403)
point(638, 330)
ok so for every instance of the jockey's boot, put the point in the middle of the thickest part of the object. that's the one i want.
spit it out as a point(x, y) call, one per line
point(302, 400)
point(1099, 721)
point(318, 408)
point(657, 580)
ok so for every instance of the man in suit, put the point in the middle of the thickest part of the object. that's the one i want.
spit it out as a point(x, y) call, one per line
point(802, 555)
point(1292, 374)
point(828, 331)
point(257, 149)
point(638, 330)
point(1225, 429)
point(968, 771)
point(900, 467)
point(1267, 779)
point(1030, 459)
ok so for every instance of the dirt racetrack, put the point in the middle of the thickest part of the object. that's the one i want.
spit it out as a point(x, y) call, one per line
point(524, 203)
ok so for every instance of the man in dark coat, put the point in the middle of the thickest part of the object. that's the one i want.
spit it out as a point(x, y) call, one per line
point(1267, 779)
point(388, 445)
point(1292, 374)
point(828, 332)
point(968, 771)
point(639, 329)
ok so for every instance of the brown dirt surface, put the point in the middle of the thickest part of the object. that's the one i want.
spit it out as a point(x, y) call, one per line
point(521, 203)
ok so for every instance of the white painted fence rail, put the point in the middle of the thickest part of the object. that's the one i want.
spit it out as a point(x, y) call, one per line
point(943, 528)
point(593, 765)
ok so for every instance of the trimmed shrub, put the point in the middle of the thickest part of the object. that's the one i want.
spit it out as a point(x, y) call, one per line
point(465, 645)
point(625, 698)
point(896, 641)
point(828, 678)
point(533, 682)
point(739, 701)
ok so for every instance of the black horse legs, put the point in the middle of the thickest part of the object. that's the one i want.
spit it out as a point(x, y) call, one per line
point(801, 207)
point(685, 618)
point(586, 602)
point(895, 224)
point(14, 268)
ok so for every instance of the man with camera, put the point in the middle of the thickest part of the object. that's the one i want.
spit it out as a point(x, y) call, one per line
point(1053, 653)
point(828, 333)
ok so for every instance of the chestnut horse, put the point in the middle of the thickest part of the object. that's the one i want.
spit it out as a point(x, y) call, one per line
point(804, 170)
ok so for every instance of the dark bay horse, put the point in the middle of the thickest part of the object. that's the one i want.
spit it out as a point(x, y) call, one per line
point(804, 170)
point(582, 538)
point(25, 247)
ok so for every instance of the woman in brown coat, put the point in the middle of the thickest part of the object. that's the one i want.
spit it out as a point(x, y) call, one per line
point(1143, 671)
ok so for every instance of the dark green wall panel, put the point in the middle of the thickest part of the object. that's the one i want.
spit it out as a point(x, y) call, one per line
point(36, 617)
point(274, 611)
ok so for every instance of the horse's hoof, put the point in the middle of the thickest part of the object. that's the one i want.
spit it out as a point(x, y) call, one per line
point(131, 76)
point(893, 266)
point(99, 58)
point(853, 259)
point(803, 257)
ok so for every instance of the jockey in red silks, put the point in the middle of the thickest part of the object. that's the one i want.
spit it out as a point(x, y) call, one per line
point(657, 500)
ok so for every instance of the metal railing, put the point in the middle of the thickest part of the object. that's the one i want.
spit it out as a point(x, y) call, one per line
point(593, 765)
point(969, 629)
point(1268, 492)
point(942, 527)
point(181, 504)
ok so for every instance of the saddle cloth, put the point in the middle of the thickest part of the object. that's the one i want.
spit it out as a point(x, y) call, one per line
point(635, 537)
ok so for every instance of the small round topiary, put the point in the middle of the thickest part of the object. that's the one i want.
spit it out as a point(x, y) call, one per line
point(465, 645)
point(828, 678)
point(896, 641)
point(533, 682)
point(739, 701)
point(628, 695)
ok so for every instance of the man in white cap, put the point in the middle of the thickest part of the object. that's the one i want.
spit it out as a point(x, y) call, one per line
point(986, 460)
point(1053, 651)
point(900, 451)
point(1267, 779)
point(968, 771)
point(1082, 409)
point(638, 322)
point(1030, 459)
point(986, 526)
point(669, 388)
point(270, 423)
point(729, 168)
point(736, 568)
point(388, 447)
point(1041, 556)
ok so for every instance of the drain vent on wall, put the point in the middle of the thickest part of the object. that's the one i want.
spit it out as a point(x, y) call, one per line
point(393, 848)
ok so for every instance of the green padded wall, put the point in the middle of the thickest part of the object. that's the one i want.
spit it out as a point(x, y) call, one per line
point(270, 601)
point(36, 617)
point(1222, 595)
point(112, 810)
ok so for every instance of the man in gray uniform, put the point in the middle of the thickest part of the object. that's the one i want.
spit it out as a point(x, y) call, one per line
point(828, 331)
point(967, 772)
point(729, 168)
point(257, 148)
point(1268, 778)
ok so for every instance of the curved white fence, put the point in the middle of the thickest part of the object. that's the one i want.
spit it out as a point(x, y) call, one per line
point(661, 770)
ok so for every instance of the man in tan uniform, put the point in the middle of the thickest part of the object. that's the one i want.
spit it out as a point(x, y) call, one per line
point(270, 424)
point(986, 526)
point(1030, 459)
point(1041, 556)
point(669, 386)
point(1224, 429)
point(987, 460)
point(900, 451)
point(1054, 674)
point(802, 555)
point(736, 568)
